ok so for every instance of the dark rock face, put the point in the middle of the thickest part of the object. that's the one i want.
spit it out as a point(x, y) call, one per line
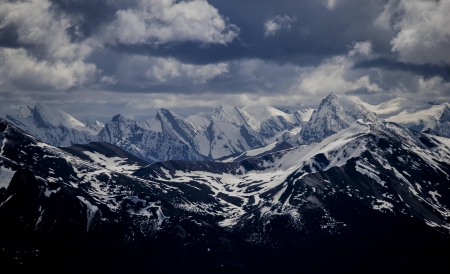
point(384, 203)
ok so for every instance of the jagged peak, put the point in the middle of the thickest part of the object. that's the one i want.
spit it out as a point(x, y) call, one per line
point(163, 112)
point(226, 114)
point(345, 103)
point(118, 117)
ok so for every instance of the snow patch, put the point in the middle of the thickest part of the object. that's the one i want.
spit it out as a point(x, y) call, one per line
point(90, 211)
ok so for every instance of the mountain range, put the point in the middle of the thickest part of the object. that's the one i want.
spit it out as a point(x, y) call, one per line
point(223, 132)
point(227, 131)
point(349, 192)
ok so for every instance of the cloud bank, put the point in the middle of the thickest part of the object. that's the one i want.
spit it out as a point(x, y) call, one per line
point(131, 57)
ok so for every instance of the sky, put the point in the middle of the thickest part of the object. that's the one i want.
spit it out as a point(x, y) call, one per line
point(97, 58)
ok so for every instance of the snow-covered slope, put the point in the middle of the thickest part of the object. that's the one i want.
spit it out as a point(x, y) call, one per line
point(54, 126)
point(412, 114)
point(393, 106)
point(257, 152)
point(107, 156)
point(335, 113)
point(303, 115)
point(383, 166)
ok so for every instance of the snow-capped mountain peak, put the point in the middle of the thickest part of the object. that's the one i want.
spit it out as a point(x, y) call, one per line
point(393, 106)
point(118, 118)
point(335, 113)
point(54, 126)
point(416, 115)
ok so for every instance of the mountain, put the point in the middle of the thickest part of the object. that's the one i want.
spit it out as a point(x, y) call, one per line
point(392, 107)
point(372, 192)
point(54, 126)
point(415, 115)
point(335, 113)
point(303, 115)
point(59, 210)
point(151, 140)
point(223, 132)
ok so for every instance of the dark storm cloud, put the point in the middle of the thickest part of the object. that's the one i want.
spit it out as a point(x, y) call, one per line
point(316, 34)
point(9, 36)
point(88, 15)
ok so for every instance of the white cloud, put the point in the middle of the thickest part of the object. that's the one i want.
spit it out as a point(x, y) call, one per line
point(334, 75)
point(109, 80)
point(166, 69)
point(272, 26)
point(18, 68)
point(361, 49)
point(422, 26)
point(164, 21)
point(47, 58)
point(37, 26)
point(433, 87)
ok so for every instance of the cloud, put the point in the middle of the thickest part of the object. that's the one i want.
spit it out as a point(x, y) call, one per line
point(159, 22)
point(109, 80)
point(434, 86)
point(272, 26)
point(330, 4)
point(166, 69)
point(330, 77)
point(422, 30)
point(42, 31)
point(336, 75)
point(44, 56)
point(20, 70)
point(361, 49)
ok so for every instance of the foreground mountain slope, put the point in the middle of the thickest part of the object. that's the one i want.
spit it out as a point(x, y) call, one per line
point(107, 156)
point(393, 165)
point(54, 126)
point(58, 210)
point(369, 191)
point(373, 191)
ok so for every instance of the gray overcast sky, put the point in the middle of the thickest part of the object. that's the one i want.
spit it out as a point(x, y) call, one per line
point(96, 58)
